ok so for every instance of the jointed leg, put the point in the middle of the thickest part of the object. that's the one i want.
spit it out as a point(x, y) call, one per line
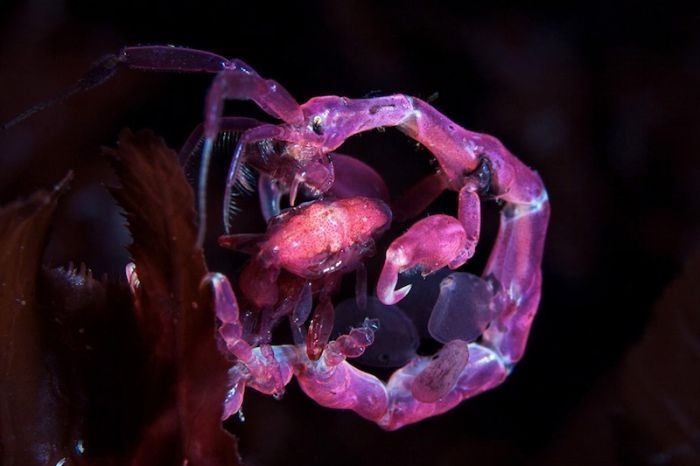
point(334, 383)
point(234, 80)
point(515, 265)
point(265, 368)
point(159, 58)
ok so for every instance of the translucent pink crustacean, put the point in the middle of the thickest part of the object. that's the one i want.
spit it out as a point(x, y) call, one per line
point(494, 312)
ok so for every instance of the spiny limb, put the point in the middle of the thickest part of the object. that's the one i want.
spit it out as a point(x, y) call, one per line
point(234, 80)
point(254, 134)
point(235, 125)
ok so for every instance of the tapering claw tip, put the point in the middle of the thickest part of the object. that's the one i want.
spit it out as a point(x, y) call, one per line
point(390, 297)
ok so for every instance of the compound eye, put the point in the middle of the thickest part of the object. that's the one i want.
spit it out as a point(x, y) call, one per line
point(316, 125)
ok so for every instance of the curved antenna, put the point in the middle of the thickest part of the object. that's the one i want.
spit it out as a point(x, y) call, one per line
point(202, 191)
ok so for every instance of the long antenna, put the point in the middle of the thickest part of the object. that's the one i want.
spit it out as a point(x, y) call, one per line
point(100, 72)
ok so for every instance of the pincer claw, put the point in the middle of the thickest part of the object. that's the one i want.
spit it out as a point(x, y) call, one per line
point(446, 246)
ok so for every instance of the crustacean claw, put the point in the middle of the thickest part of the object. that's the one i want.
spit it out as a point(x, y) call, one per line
point(429, 245)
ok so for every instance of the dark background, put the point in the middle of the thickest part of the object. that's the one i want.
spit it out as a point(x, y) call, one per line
point(601, 99)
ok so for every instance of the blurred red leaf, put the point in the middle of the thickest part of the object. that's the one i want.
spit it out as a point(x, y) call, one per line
point(188, 374)
point(96, 355)
point(31, 410)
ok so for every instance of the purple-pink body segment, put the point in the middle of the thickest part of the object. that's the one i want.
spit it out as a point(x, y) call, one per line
point(332, 382)
point(322, 232)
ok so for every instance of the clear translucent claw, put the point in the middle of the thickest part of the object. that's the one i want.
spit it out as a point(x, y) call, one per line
point(391, 296)
point(419, 303)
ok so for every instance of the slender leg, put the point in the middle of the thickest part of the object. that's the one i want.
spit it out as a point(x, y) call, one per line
point(167, 58)
point(234, 80)
point(266, 369)
point(238, 83)
point(515, 264)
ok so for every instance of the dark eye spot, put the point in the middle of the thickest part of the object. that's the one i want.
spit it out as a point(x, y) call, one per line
point(316, 126)
point(482, 175)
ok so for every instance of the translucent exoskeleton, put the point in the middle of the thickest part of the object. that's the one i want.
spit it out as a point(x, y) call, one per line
point(482, 321)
